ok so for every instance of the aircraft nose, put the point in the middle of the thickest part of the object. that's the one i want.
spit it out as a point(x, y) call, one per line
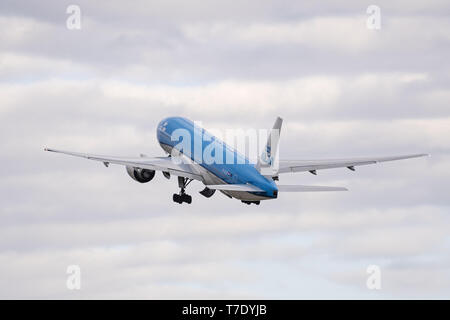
point(162, 124)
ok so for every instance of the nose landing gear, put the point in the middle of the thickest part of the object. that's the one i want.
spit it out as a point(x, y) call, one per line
point(182, 196)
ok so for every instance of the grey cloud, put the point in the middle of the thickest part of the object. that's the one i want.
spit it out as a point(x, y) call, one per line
point(343, 91)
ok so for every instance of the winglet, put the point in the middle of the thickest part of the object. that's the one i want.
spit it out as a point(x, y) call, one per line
point(51, 150)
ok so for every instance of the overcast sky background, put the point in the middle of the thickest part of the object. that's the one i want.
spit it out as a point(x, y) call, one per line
point(342, 89)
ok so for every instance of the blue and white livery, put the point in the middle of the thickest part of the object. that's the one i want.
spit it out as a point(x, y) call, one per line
point(226, 170)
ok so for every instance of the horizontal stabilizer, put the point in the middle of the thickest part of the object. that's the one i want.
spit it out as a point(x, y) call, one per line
point(235, 187)
point(300, 188)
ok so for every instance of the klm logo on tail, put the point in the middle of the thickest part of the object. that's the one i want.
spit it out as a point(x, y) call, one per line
point(266, 157)
point(265, 163)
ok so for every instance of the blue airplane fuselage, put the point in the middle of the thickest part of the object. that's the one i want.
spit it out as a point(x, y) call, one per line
point(233, 168)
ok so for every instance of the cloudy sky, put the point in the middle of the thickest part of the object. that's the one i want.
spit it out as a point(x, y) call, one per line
point(343, 90)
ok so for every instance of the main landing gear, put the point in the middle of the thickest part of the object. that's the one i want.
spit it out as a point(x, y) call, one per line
point(182, 196)
point(250, 202)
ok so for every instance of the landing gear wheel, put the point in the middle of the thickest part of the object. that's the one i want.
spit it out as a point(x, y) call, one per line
point(182, 196)
point(186, 198)
point(250, 202)
point(177, 198)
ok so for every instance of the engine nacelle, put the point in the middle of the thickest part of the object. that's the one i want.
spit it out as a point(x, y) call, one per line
point(140, 175)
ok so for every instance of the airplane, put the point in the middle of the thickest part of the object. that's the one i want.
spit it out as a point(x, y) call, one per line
point(240, 178)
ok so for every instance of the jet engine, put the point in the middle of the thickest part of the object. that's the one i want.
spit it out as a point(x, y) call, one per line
point(140, 175)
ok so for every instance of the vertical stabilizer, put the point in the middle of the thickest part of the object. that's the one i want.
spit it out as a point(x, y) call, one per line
point(267, 162)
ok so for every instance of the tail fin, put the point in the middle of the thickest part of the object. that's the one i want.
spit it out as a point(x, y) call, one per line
point(267, 164)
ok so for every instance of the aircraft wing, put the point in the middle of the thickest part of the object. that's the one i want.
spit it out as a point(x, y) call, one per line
point(158, 163)
point(313, 165)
